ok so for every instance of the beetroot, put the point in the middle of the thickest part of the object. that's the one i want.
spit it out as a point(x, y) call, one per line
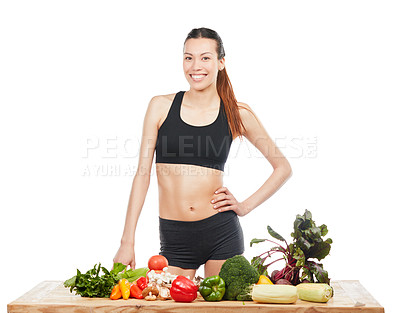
point(283, 281)
point(273, 276)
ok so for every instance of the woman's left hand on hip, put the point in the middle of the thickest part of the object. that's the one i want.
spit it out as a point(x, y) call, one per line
point(225, 201)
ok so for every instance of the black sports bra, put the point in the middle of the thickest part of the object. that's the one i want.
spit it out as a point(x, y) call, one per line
point(182, 143)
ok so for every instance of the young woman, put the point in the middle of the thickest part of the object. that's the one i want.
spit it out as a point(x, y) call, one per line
point(191, 133)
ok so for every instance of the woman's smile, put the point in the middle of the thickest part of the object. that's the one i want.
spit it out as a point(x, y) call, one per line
point(197, 77)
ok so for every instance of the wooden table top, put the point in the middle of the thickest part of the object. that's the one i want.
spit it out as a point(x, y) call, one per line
point(52, 296)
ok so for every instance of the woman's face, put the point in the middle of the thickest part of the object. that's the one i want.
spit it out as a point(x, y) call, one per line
point(200, 62)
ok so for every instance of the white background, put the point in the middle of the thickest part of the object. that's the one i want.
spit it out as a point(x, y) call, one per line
point(76, 78)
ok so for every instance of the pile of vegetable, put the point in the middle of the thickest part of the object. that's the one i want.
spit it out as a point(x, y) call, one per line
point(307, 245)
point(302, 277)
point(152, 283)
point(240, 285)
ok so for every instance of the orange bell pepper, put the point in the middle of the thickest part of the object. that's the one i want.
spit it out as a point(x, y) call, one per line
point(116, 293)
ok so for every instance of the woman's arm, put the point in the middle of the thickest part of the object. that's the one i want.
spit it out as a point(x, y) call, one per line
point(257, 135)
point(140, 183)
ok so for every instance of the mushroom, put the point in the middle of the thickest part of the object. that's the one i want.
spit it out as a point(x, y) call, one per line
point(150, 298)
point(150, 292)
point(164, 293)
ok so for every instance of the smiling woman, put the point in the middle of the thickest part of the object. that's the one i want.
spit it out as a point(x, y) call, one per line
point(205, 57)
point(191, 133)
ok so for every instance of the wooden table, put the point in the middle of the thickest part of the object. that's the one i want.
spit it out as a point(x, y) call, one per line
point(52, 296)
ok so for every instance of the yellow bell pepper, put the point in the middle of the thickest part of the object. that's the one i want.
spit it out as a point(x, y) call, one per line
point(125, 288)
point(264, 280)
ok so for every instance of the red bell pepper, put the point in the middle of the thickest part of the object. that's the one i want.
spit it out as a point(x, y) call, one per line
point(136, 292)
point(183, 289)
point(141, 282)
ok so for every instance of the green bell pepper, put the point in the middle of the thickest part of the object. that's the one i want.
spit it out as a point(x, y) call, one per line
point(212, 288)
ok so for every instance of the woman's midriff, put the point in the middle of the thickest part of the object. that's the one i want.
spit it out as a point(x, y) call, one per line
point(185, 191)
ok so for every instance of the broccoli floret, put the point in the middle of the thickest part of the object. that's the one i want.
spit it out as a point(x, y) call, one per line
point(238, 275)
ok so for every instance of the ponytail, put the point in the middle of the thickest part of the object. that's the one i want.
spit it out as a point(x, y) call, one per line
point(225, 91)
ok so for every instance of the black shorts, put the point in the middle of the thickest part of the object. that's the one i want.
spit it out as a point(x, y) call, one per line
point(189, 244)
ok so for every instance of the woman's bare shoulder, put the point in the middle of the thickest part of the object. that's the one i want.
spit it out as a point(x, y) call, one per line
point(243, 105)
point(245, 111)
point(248, 117)
point(160, 105)
point(163, 99)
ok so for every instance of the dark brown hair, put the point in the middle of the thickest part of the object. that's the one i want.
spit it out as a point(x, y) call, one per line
point(224, 86)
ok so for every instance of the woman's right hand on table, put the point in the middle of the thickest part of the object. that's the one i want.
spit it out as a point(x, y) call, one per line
point(126, 255)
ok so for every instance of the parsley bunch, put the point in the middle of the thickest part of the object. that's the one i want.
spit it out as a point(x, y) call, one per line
point(92, 284)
